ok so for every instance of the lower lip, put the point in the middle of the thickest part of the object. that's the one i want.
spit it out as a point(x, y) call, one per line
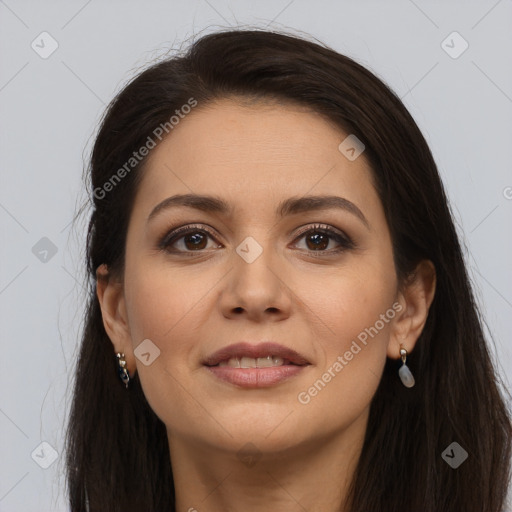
point(255, 377)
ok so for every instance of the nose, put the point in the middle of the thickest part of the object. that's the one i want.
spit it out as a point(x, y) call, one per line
point(256, 287)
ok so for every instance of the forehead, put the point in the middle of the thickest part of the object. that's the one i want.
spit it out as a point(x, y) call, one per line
point(259, 152)
point(253, 136)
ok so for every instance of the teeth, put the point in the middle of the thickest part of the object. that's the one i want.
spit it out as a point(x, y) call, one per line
point(266, 362)
point(250, 362)
point(234, 362)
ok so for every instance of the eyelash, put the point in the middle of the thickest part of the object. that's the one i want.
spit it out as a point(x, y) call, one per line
point(177, 234)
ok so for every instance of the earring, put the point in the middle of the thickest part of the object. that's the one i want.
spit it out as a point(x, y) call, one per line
point(404, 373)
point(123, 372)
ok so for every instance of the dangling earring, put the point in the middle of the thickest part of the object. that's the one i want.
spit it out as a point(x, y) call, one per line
point(123, 372)
point(405, 374)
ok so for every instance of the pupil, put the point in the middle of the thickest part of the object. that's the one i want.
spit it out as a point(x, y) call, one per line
point(196, 239)
point(319, 238)
point(319, 241)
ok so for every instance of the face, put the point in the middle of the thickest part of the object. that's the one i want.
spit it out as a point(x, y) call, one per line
point(317, 278)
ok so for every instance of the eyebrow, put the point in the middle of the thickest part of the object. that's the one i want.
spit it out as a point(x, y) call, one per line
point(290, 206)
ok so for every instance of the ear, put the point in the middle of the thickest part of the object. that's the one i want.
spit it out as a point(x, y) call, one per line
point(415, 300)
point(110, 294)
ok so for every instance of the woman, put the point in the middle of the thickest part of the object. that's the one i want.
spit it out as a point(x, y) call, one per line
point(279, 315)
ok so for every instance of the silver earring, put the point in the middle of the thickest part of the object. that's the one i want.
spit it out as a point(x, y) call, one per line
point(123, 372)
point(404, 373)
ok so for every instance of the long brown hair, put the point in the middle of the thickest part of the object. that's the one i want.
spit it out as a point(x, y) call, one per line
point(117, 452)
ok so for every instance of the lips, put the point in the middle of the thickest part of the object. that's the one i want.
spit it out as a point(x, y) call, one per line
point(265, 365)
point(261, 350)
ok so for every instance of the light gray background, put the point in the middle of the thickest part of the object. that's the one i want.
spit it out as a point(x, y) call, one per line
point(50, 109)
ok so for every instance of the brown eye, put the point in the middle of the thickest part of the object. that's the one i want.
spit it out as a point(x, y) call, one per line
point(318, 241)
point(187, 239)
point(195, 241)
point(191, 239)
point(318, 238)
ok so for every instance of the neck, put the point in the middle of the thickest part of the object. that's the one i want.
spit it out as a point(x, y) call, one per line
point(314, 475)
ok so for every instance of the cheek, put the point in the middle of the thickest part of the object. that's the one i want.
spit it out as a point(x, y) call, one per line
point(351, 300)
point(162, 303)
point(167, 309)
point(356, 316)
point(170, 306)
point(352, 359)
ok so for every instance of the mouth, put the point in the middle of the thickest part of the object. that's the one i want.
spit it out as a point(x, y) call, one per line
point(255, 366)
point(269, 361)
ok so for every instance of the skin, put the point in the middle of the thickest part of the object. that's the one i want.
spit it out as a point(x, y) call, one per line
point(254, 156)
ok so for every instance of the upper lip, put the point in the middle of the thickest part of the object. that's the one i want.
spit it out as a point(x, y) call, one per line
point(244, 349)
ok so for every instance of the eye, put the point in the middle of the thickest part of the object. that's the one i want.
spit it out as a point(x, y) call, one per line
point(195, 239)
point(192, 238)
point(318, 238)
